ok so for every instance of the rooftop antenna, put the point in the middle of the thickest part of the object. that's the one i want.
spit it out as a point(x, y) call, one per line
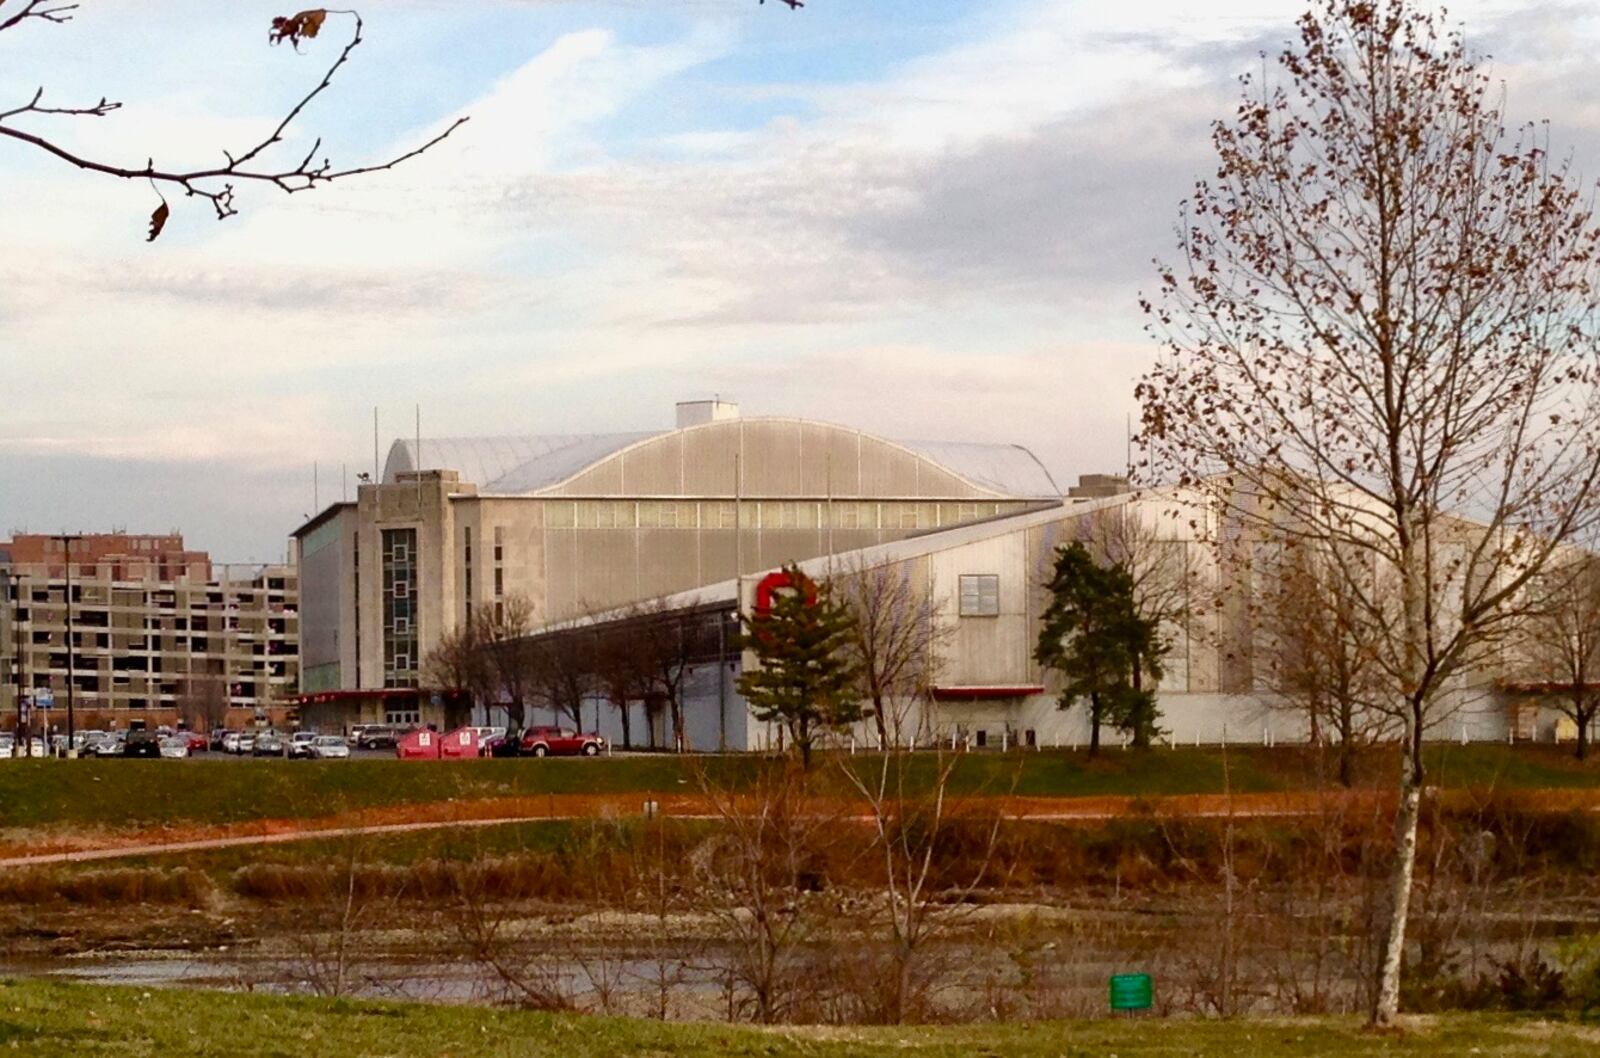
point(316, 504)
point(375, 478)
point(344, 482)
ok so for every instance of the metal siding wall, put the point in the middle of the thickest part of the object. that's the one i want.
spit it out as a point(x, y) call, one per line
point(708, 456)
point(654, 468)
point(667, 561)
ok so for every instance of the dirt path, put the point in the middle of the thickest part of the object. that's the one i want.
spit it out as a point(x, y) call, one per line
point(78, 846)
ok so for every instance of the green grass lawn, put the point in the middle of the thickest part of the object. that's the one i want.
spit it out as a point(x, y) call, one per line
point(123, 793)
point(54, 1020)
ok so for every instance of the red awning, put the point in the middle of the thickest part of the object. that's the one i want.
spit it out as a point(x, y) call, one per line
point(986, 692)
point(323, 697)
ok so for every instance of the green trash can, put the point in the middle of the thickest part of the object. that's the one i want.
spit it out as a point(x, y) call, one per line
point(1132, 992)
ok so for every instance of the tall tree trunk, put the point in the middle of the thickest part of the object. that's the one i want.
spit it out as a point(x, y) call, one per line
point(627, 728)
point(1094, 725)
point(1405, 847)
point(1387, 1009)
point(881, 721)
point(1347, 746)
point(1584, 719)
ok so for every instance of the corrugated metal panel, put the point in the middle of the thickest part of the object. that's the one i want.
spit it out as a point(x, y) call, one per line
point(781, 456)
point(1008, 469)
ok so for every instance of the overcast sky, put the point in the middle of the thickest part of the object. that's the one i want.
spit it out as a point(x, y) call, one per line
point(925, 219)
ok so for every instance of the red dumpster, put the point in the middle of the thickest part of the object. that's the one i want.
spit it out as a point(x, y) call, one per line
point(462, 742)
point(419, 745)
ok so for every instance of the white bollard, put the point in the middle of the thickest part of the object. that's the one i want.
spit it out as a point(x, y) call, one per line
point(852, 745)
point(1005, 741)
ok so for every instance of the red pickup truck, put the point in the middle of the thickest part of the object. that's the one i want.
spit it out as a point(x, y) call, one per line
point(560, 742)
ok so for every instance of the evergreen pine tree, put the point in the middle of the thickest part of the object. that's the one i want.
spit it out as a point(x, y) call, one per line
point(1093, 635)
point(803, 678)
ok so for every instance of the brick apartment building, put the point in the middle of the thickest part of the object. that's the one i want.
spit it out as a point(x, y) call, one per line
point(155, 627)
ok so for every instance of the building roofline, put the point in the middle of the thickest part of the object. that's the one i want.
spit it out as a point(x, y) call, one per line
point(629, 441)
point(326, 514)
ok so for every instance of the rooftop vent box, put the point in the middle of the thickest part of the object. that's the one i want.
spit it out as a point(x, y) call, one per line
point(697, 412)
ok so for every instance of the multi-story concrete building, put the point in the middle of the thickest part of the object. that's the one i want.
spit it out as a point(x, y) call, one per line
point(581, 524)
point(151, 623)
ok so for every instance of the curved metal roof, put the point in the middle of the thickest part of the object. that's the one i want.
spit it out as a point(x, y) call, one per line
point(531, 464)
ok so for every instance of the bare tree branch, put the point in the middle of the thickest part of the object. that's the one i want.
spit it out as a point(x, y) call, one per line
point(247, 166)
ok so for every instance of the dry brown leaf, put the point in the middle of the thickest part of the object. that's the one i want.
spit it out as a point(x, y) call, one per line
point(158, 220)
point(294, 28)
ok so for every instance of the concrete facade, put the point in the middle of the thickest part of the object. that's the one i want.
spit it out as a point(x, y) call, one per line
point(150, 620)
point(581, 525)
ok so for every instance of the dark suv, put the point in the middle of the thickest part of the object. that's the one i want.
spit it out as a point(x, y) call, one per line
point(381, 736)
point(142, 743)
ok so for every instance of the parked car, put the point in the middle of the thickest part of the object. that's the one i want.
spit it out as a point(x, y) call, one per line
point(142, 744)
point(269, 744)
point(246, 743)
point(300, 744)
point(8, 745)
point(506, 745)
point(82, 740)
point(329, 747)
point(230, 742)
point(381, 736)
point(219, 738)
point(560, 742)
point(175, 747)
point(197, 740)
point(110, 745)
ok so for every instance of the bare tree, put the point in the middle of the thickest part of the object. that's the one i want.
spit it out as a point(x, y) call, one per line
point(620, 675)
point(1320, 657)
point(754, 877)
point(500, 633)
point(248, 164)
point(459, 661)
point(911, 818)
point(896, 639)
point(1380, 341)
point(1124, 535)
point(1561, 642)
point(203, 702)
point(332, 951)
point(665, 645)
point(251, 163)
point(560, 672)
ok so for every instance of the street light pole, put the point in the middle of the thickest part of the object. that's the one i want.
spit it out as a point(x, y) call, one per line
point(66, 544)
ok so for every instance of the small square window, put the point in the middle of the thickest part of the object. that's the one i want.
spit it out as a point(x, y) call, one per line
point(980, 595)
point(402, 589)
point(402, 625)
point(402, 662)
point(401, 553)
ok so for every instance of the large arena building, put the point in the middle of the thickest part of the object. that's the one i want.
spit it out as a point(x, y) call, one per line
point(693, 519)
point(583, 524)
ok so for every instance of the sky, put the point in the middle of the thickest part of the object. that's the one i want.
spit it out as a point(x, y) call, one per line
point(928, 220)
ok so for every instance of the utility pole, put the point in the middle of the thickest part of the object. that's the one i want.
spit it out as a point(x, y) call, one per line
point(14, 586)
point(67, 540)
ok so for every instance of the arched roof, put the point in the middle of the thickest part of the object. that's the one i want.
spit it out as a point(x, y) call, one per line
point(531, 465)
